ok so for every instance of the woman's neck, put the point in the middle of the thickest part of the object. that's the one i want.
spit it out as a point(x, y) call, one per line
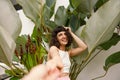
point(62, 48)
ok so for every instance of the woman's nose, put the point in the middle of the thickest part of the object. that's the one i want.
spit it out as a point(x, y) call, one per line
point(64, 36)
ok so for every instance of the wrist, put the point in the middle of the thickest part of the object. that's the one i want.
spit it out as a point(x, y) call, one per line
point(71, 32)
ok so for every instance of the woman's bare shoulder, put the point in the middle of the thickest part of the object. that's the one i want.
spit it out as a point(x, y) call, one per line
point(51, 51)
point(53, 48)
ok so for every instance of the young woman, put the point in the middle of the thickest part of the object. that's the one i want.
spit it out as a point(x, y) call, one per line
point(60, 41)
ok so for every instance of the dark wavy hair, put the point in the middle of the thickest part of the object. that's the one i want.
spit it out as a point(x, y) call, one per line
point(54, 41)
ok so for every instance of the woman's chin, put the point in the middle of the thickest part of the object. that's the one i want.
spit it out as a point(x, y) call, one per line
point(64, 44)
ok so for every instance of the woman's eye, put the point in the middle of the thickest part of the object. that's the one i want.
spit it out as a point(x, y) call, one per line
point(59, 34)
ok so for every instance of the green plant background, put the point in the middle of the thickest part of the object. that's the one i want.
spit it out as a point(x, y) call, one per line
point(93, 21)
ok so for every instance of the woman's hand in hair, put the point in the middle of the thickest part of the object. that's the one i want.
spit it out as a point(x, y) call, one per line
point(68, 28)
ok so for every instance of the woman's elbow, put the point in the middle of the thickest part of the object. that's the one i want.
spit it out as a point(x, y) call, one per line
point(85, 47)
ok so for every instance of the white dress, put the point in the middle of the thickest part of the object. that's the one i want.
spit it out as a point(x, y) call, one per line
point(65, 60)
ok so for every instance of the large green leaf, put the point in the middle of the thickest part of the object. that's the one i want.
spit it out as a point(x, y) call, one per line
point(84, 6)
point(112, 60)
point(99, 28)
point(7, 46)
point(51, 6)
point(101, 25)
point(76, 21)
point(9, 18)
point(113, 41)
point(32, 8)
point(10, 27)
point(61, 20)
point(100, 3)
point(48, 12)
point(48, 9)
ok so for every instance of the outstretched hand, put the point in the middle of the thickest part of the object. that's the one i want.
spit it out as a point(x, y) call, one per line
point(43, 72)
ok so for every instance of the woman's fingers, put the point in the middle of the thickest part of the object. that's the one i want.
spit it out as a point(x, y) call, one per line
point(68, 28)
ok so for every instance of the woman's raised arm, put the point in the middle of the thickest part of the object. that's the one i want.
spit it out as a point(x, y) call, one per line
point(81, 45)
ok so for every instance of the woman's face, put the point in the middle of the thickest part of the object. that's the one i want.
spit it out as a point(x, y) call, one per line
point(62, 38)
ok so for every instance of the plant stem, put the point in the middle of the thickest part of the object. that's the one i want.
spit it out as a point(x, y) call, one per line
point(73, 69)
point(84, 65)
point(19, 69)
point(100, 76)
point(81, 66)
point(93, 57)
point(13, 72)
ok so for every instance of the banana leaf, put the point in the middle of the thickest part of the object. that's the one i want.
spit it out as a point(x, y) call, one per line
point(39, 11)
point(49, 8)
point(31, 8)
point(99, 28)
point(83, 6)
point(10, 27)
point(100, 3)
point(47, 13)
point(80, 9)
point(7, 46)
point(61, 20)
point(112, 42)
point(9, 18)
point(101, 25)
point(112, 60)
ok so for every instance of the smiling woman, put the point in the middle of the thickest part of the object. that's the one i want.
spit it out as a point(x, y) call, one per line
point(94, 32)
point(61, 39)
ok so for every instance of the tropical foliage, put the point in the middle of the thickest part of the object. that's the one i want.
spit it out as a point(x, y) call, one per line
point(94, 21)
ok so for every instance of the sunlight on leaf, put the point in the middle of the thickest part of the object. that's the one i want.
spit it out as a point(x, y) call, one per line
point(32, 8)
point(7, 46)
point(10, 27)
point(9, 18)
point(101, 25)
